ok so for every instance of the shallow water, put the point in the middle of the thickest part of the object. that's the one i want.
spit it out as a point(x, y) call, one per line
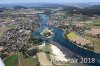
point(59, 38)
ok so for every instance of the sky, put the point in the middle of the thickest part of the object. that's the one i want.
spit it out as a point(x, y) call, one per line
point(49, 1)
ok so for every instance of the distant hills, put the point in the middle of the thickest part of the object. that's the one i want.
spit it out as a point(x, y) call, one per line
point(80, 5)
point(41, 5)
point(91, 10)
point(83, 5)
point(19, 7)
point(83, 8)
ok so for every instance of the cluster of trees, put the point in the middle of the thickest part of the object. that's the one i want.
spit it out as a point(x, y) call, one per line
point(24, 49)
point(88, 46)
point(35, 41)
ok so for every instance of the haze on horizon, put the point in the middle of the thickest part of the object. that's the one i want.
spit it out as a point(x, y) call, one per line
point(46, 1)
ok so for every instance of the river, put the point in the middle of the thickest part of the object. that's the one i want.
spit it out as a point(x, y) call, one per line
point(70, 49)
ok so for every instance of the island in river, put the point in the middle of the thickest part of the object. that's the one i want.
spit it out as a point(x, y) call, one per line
point(36, 36)
point(69, 48)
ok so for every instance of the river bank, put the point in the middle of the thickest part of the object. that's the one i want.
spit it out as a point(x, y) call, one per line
point(68, 48)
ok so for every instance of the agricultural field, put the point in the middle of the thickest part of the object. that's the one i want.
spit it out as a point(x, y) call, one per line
point(96, 42)
point(71, 35)
point(27, 61)
point(93, 25)
point(18, 59)
point(10, 61)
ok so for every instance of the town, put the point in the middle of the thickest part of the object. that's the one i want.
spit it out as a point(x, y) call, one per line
point(32, 36)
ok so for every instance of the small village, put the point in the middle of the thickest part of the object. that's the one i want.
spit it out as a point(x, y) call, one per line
point(29, 37)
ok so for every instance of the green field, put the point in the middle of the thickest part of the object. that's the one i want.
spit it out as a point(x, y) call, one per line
point(92, 25)
point(96, 42)
point(28, 61)
point(11, 60)
point(71, 35)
